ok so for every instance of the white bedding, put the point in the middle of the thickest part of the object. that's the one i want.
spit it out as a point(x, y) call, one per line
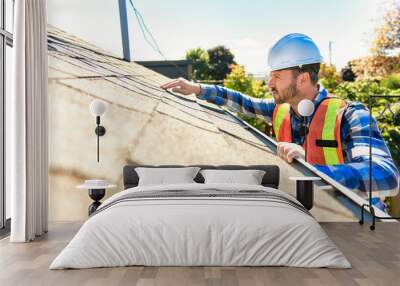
point(183, 231)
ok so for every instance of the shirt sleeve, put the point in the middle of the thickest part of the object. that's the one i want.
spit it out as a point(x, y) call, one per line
point(354, 174)
point(238, 102)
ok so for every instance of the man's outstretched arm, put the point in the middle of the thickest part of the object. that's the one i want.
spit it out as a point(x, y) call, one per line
point(238, 102)
point(354, 174)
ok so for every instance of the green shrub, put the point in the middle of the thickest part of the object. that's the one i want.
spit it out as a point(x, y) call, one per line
point(361, 90)
point(329, 77)
point(239, 81)
point(392, 81)
point(388, 122)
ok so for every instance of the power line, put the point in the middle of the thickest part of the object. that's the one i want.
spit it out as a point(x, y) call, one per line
point(151, 40)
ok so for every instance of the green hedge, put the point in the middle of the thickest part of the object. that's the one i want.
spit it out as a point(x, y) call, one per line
point(388, 122)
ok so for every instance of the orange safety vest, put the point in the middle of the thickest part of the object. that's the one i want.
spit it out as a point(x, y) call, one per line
point(324, 144)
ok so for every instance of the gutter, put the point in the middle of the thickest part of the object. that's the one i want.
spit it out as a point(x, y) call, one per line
point(356, 199)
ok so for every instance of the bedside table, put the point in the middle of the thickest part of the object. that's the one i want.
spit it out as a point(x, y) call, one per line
point(305, 190)
point(96, 190)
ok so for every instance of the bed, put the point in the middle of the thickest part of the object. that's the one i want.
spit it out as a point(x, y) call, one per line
point(201, 224)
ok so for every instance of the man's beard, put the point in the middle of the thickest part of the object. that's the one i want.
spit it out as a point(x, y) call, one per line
point(285, 95)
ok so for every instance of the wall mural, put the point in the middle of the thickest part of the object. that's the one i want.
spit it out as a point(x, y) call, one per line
point(144, 124)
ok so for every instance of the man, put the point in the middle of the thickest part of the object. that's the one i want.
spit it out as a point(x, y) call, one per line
point(338, 138)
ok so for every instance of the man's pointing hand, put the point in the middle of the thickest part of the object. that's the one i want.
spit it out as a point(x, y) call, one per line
point(182, 86)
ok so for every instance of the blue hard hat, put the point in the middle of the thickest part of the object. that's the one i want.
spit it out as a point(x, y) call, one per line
point(293, 50)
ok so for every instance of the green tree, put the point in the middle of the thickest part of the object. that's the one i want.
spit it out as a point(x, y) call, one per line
point(330, 78)
point(200, 63)
point(239, 81)
point(220, 61)
point(387, 34)
point(384, 55)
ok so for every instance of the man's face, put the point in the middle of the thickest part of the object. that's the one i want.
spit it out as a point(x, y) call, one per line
point(283, 85)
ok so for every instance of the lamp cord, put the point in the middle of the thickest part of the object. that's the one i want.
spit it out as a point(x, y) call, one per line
point(98, 142)
point(305, 138)
point(370, 149)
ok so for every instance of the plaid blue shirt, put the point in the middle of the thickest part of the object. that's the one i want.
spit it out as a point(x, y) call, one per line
point(354, 133)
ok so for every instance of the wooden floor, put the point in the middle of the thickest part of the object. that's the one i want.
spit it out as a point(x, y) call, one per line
point(375, 257)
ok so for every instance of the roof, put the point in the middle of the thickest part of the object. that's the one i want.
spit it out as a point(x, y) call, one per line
point(144, 125)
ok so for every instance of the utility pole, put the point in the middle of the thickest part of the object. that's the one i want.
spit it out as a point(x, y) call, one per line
point(126, 43)
point(330, 52)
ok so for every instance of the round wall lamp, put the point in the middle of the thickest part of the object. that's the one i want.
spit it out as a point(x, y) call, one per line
point(98, 108)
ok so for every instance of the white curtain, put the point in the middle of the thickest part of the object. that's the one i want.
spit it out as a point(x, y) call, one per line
point(26, 123)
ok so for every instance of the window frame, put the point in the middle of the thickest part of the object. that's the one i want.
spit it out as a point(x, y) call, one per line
point(6, 39)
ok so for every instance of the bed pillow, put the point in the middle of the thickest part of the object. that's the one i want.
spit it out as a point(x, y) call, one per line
point(163, 176)
point(248, 177)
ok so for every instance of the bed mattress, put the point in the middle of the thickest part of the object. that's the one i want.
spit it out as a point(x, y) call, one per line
point(201, 225)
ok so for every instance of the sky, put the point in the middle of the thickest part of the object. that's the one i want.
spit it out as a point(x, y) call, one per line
point(248, 28)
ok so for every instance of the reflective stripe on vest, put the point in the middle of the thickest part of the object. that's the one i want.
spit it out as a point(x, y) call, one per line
point(281, 123)
point(328, 132)
point(324, 127)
